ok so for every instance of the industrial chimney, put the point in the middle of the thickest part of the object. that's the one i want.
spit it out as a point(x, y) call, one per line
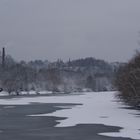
point(3, 57)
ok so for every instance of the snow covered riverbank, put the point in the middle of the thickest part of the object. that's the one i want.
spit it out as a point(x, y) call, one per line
point(96, 108)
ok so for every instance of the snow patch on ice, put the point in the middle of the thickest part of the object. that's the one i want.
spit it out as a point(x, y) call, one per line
point(9, 107)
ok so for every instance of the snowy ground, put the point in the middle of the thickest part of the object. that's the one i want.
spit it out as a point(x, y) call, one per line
point(3, 93)
point(96, 108)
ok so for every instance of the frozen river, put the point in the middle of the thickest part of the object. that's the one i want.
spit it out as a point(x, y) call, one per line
point(94, 108)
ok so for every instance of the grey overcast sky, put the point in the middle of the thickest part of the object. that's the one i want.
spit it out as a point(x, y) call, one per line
point(51, 29)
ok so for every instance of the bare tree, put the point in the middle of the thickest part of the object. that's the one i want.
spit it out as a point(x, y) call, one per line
point(128, 81)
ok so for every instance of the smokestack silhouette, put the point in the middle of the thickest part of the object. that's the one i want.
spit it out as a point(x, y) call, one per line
point(3, 57)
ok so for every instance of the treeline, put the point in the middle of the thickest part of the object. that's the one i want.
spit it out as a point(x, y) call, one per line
point(87, 74)
point(128, 81)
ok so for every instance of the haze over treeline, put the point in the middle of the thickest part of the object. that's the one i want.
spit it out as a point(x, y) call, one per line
point(86, 74)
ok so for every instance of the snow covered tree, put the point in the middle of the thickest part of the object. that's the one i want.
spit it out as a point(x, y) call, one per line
point(90, 83)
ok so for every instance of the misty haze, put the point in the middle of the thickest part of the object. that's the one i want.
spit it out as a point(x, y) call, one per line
point(69, 69)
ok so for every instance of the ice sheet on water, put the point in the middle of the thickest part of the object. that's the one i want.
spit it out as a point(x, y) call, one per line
point(95, 106)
